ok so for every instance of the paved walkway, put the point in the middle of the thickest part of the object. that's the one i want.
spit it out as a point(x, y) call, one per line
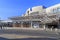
point(14, 36)
point(22, 28)
point(7, 34)
point(39, 29)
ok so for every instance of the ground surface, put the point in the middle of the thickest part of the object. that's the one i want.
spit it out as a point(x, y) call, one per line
point(20, 34)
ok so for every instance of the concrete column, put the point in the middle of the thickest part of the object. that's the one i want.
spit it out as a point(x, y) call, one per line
point(31, 24)
point(44, 26)
point(21, 24)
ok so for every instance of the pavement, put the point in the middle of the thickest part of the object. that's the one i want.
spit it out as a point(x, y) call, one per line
point(25, 37)
point(24, 34)
point(14, 36)
point(29, 39)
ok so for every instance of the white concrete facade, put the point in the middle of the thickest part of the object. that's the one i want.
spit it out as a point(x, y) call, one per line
point(53, 9)
point(35, 10)
point(46, 15)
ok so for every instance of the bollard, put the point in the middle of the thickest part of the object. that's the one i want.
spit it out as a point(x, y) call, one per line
point(56, 29)
point(51, 29)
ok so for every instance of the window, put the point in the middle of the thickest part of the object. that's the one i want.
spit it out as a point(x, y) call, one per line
point(58, 9)
point(54, 10)
point(27, 11)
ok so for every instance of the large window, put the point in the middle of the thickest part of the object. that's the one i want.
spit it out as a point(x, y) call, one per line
point(56, 10)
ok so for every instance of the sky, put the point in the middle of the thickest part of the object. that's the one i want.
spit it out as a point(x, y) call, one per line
point(11, 8)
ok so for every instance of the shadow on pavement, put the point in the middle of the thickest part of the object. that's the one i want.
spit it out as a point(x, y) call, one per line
point(34, 39)
point(1, 38)
point(28, 39)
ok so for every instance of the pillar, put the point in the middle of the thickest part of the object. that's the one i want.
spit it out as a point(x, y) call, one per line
point(44, 26)
point(31, 24)
point(21, 24)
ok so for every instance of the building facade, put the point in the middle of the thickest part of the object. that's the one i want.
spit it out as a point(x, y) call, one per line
point(39, 17)
point(6, 23)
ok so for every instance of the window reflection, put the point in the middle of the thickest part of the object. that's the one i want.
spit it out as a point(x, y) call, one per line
point(56, 10)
